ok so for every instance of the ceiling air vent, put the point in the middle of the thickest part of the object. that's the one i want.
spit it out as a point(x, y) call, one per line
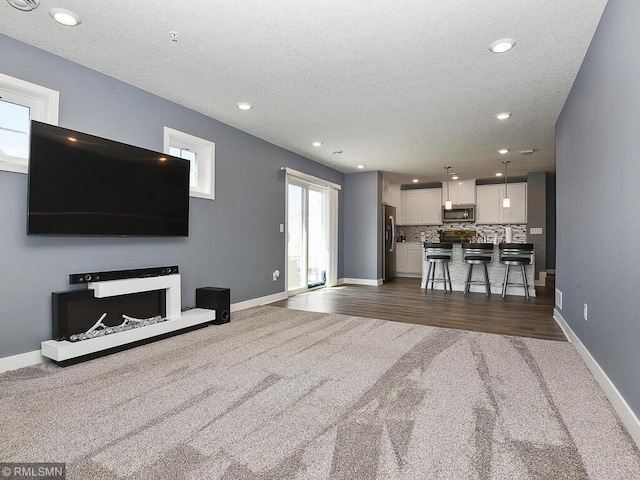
point(24, 5)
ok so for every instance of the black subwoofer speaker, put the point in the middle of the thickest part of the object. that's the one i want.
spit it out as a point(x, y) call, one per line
point(215, 298)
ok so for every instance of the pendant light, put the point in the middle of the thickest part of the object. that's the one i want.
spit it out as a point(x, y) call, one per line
point(506, 201)
point(447, 204)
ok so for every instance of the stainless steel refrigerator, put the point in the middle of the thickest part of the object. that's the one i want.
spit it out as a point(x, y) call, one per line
point(389, 222)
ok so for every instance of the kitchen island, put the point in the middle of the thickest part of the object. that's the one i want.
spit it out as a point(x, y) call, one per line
point(458, 270)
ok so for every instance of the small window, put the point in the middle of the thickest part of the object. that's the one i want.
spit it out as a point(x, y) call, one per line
point(21, 102)
point(14, 134)
point(201, 156)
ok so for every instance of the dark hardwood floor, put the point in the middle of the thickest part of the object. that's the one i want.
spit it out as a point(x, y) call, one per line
point(402, 300)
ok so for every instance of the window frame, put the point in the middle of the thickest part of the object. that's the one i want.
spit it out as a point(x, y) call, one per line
point(205, 160)
point(43, 104)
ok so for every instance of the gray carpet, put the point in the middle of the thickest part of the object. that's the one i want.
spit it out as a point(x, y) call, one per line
point(284, 394)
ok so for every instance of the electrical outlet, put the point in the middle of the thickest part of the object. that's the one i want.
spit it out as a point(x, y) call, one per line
point(535, 231)
point(585, 313)
point(276, 275)
point(282, 228)
point(559, 299)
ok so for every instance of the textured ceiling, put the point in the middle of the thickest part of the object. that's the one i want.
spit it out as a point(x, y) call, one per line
point(405, 87)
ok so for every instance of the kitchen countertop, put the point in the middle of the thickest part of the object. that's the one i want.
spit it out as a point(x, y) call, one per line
point(458, 272)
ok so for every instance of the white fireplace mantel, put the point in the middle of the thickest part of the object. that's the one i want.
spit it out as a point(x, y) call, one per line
point(170, 283)
point(62, 351)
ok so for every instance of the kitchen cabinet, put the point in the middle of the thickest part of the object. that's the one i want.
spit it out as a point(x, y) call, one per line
point(461, 192)
point(391, 196)
point(409, 259)
point(411, 207)
point(431, 206)
point(517, 213)
point(401, 257)
point(414, 258)
point(489, 207)
point(421, 207)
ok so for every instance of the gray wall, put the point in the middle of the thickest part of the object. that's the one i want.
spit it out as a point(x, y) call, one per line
point(234, 241)
point(537, 217)
point(597, 200)
point(551, 221)
point(362, 250)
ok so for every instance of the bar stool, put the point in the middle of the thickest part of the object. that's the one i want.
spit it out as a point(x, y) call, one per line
point(477, 254)
point(514, 254)
point(438, 253)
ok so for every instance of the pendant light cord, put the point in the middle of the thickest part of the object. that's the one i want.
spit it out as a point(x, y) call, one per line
point(446, 179)
point(506, 176)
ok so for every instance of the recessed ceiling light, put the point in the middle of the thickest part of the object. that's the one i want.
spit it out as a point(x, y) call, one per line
point(503, 115)
point(337, 152)
point(163, 159)
point(316, 144)
point(527, 152)
point(360, 167)
point(71, 139)
point(174, 35)
point(244, 106)
point(503, 151)
point(454, 176)
point(503, 45)
point(415, 180)
point(498, 174)
point(65, 17)
point(24, 5)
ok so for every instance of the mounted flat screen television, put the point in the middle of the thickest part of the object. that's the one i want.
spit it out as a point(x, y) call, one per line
point(80, 184)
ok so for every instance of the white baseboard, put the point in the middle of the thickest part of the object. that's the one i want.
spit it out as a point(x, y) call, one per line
point(340, 281)
point(21, 360)
point(363, 281)
point(541, 280)
point(409, 275)
point(256, 302)
point(33, 358)
point(627, 416)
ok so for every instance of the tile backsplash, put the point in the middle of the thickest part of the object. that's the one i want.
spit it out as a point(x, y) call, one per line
point(412, 232)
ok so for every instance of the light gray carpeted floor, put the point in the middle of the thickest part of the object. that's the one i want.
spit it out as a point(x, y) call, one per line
point(284, 394)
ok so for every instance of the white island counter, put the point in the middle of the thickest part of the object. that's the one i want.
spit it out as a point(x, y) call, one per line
point(458, 271)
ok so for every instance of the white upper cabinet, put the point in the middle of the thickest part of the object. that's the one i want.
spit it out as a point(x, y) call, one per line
point(411, 207)
point(466, 192)
point(431, 206)
point(420, 207)
point(391, 195)
point(489, 207)
point(461, 192)
point(517, 213)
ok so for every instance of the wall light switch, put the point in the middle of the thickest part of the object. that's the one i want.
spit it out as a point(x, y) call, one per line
point(282, 228)
point(535, 231)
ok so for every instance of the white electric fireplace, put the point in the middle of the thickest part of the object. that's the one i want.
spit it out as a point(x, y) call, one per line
point(65, 351)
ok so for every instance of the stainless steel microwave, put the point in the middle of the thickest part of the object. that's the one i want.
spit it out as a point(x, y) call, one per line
point(459, 214)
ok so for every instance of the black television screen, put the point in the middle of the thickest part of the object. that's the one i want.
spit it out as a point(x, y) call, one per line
point(80, 184)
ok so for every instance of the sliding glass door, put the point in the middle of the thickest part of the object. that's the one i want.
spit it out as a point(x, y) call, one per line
point(307, 236)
